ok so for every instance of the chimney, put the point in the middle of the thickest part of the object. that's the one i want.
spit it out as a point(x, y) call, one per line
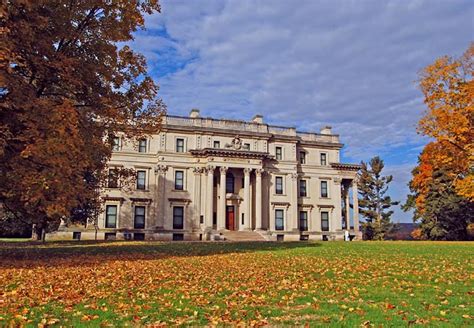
point(326, 130)
point(194, 113)
point(258, 119)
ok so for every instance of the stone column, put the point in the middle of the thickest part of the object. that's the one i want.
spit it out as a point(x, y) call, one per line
point(294, 203)
point(348, 206)
point(210, 196)
point(222, 200)
point(247, 215)
point(355, 202)
point(258, 199)
point(337, 214)
point(160, 170)
point(197, 196)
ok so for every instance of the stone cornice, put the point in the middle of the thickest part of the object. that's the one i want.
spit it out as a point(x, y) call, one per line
point(206, 152)
point(346, 166)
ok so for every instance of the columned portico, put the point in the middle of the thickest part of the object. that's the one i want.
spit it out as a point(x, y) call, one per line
point(355, 204)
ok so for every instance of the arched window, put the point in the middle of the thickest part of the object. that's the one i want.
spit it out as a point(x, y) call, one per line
point(229, 183)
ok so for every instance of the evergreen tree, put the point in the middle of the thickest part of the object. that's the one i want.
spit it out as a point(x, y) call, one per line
point(374, 204)
point(446, 214)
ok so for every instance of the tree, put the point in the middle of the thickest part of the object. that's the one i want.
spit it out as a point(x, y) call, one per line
point(68, 84)
point(443, 181)
point(446, 214)
point(374, 204)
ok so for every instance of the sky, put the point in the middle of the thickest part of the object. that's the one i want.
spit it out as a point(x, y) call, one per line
point(352, 65)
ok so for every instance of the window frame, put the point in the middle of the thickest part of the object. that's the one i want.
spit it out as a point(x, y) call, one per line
point(302, 157)
point(135, 215)
point(323, 228)
point(107, 214)
point(325, 161)
point(116, 143)
point(110, 179)
point(176, 185)
point(138, 185)
point(277, 219)
point(326, 189)
point(180, 148)
point(178, 225)
point(305, 228)
point(304, 183)
point(229, 178)
point(217, 144)
point(142, 148)
point(278, 153)
point(279, 191)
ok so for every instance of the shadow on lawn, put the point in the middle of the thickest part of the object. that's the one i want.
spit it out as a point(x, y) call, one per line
point(51, 253)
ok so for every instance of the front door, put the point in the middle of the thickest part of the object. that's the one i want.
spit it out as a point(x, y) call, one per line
point(230, 218)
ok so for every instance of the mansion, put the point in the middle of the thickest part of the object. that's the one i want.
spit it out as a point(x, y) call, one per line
point(203, 178)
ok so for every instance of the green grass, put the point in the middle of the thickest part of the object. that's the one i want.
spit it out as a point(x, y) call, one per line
point(86, 284)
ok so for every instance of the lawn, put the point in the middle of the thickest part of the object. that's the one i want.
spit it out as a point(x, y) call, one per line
point(320, 284)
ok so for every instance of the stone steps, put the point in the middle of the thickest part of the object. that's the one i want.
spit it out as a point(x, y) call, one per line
point(242, 236)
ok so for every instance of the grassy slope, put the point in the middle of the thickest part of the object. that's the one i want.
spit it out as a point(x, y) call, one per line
point(333, 283)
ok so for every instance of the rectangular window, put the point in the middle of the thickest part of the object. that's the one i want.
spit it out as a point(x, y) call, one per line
point(217, 144)
point(302, 157)
point(179, 180)
point(139, 220)
point(303, 192)
point(112, 181)
point(323, 158)
point(229, 183)
point(180, 145)
point(324, 189)
point(278, 153)
point(178, 217)
point(111, 216)
point(141, 180)
point(142, 146)
point(116, 144)
point(279, 185)
point(324, 221)
point(303, 221)
point(279, 218)
point(76, 235)
point(246, 146)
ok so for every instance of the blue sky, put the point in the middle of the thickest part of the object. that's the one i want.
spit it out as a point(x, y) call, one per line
point(349, 64)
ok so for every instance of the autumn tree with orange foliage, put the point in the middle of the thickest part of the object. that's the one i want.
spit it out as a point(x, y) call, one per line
point(68, 84)
point(443, 182)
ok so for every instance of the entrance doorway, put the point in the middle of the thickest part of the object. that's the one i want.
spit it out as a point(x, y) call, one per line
point(230, 217)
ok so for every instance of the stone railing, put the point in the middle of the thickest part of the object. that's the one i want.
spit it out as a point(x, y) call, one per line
point(308, 136)
point(247, 127)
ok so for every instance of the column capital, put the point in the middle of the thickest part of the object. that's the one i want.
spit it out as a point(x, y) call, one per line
point(247, 171)
point(210, 169)
point(337, 180)
point(198, 170)
point(294, 175)
point(259, 172)
point(161, 169)
point(355, 181)
point(223, 170)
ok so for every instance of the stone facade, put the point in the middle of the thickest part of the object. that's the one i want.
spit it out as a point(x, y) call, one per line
point(201, 176)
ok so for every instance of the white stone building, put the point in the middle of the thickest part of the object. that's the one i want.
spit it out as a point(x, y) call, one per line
point(200, 178)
